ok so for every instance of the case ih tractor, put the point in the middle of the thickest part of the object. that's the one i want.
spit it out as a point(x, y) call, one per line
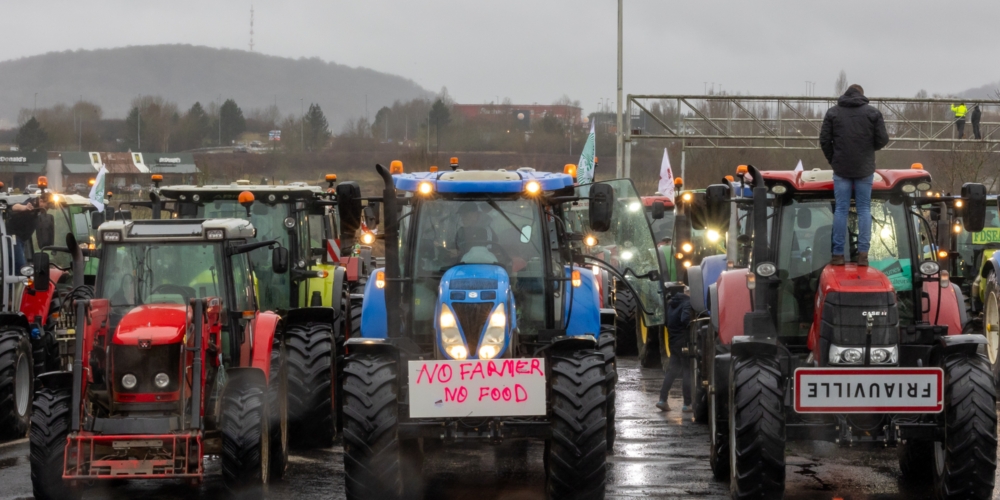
point(314, 297)
point(175, 363)
point(494, 331)
point(33, 337)
point(857, 355)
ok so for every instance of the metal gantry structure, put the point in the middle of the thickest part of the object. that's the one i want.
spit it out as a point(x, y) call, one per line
point(784, 122)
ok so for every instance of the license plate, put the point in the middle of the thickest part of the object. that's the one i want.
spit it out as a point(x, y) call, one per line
point(477, 388)
point(869, 390)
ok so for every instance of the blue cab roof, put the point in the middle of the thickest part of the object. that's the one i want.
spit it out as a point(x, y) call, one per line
point(482, 181)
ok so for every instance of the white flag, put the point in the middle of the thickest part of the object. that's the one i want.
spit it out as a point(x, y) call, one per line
point(798, 168)
point(666, 186)
point(585, 168)
point(97, 190)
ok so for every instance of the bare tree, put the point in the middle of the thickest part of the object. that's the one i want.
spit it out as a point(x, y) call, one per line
point(840, 86)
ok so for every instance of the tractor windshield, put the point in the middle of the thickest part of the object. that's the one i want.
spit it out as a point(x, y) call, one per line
point(628, 245)
point(274, 291)
point(505, 232)
point(134, 274)
point(805, 243)
point(974, 248)
point(663, 228)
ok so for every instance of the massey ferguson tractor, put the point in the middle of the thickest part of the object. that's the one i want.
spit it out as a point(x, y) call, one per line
point(485, 325)
point(174, 363)
point(314, 297)
point(869, 356)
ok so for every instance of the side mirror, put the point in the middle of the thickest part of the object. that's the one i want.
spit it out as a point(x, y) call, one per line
point(974, 211)
point(370, 219)
point(717, 199)
point(96, 219)
point(602, 201)
point(45, 232)
point(279, 260)
point(349, 207)
point(658, 210)
point(41, 264)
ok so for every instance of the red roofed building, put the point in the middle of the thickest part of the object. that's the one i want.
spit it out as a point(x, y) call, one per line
point(523, 114)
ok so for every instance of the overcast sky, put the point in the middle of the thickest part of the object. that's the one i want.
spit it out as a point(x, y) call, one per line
point(538, 50)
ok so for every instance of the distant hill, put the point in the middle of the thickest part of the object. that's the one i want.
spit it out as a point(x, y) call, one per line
point(185, 74)
point(988, 91)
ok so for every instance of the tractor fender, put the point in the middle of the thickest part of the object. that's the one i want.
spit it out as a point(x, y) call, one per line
point(301, 315)
point(568, 343)
point(361, 345)
point(949, 314)
point(246, 375)
point(339, 285)
point(373, 311)
point(745, 346)
point(36, 304)
point(265, 328)
point(956, 344)
point(585, 316)
point(54, 380)
point(721, 382)
point(734, 303)
point(15, 319)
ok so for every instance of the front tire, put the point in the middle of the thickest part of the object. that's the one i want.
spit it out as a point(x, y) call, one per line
point(311, 370)
point(718, 428)
point(17, 376)
point(606, 344)
point(965, 462)
point(756, 430)
point(626, 320)
point(245, 430)
point(576, 455)
point(50, 424)
point(277, 402)
point(372, 452)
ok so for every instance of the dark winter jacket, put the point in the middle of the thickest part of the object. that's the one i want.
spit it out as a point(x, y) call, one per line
point(23, 224)
point(977, 114)
point(852, 132)
point(678, 320)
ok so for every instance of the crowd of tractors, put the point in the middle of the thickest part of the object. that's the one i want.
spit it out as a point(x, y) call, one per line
point(242, 321)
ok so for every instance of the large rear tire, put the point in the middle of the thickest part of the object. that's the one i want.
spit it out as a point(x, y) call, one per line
point(991, 323)
point(756, 430)
point(17, 376)
point(576, 455)
point(50, 424)
point(606, 344)
point(277, 403)
point(718, 429)
point(626, 322)
point(311, 356)
point(372, 451)
point(965, 462)
point(245, 430)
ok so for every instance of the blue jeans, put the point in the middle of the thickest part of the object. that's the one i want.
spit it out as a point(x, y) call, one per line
point(842, 189)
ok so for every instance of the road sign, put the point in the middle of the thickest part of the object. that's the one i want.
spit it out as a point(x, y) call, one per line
point(869, 390)
point(274, 135)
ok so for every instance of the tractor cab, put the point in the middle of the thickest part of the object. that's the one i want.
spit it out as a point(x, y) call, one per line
point(172, 348)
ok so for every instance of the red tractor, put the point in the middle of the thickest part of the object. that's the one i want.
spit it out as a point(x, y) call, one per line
point(857, 355)
point(175, 362)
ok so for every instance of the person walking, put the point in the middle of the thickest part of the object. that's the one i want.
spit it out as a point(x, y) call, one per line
point(977, 114)
point(959, 111)
point(678, 321)
point(22, 222)
point(852, 132)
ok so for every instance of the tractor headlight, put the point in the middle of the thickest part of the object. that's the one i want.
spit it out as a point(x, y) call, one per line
point(457, 351)
point(850, 356)
point(929, 267)
point(712, 235)
point(451, 337)
point(627, 255)
point(909, 188)
point(880, 355)
point(111, 236)
point(27, 271)
point(924, 186)
point(687, 247)
point(634, 206)
point(766, 269)
point(289, 222)
point(162, 380)
point(493, 339)
point(215, 234)
point(129, 381)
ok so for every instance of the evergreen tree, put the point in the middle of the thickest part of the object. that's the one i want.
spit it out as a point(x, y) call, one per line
point(439, 116)
point(31, 136)
point(233, 122)
point(317, 128)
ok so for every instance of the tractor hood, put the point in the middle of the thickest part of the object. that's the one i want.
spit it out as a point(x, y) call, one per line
point(473, 292)
point(158, 324)
point(847, 295)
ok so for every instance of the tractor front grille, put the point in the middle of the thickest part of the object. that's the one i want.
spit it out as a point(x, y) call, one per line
point(472, 316)
point(145, 364)
point(474, 284)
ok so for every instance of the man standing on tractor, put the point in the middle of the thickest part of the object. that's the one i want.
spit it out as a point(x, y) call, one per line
point(22, 222)
point(852, 132)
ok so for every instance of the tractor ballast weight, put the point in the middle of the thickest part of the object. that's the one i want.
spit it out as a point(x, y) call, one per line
point(870, 329)
point(465, 306)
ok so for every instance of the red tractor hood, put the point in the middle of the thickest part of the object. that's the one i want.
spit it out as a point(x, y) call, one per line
point(853, 278)
point(158, 324)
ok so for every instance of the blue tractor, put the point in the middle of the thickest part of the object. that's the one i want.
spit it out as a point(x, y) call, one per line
point(486, 324)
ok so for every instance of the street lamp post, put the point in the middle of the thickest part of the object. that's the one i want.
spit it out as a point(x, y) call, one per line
point(302, 122)
point(619, 139)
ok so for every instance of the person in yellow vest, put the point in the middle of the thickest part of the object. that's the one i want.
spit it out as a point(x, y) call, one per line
point(959, 111)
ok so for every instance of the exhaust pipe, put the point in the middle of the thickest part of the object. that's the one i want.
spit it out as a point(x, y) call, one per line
point(392, 278)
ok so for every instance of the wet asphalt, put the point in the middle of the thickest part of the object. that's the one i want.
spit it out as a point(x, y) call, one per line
point(657, 455)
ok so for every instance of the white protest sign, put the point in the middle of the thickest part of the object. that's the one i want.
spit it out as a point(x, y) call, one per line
point(869, 390)
point(477, 388)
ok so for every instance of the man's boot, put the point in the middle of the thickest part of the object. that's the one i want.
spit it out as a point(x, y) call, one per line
point(862, 258)
point(837, 260)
